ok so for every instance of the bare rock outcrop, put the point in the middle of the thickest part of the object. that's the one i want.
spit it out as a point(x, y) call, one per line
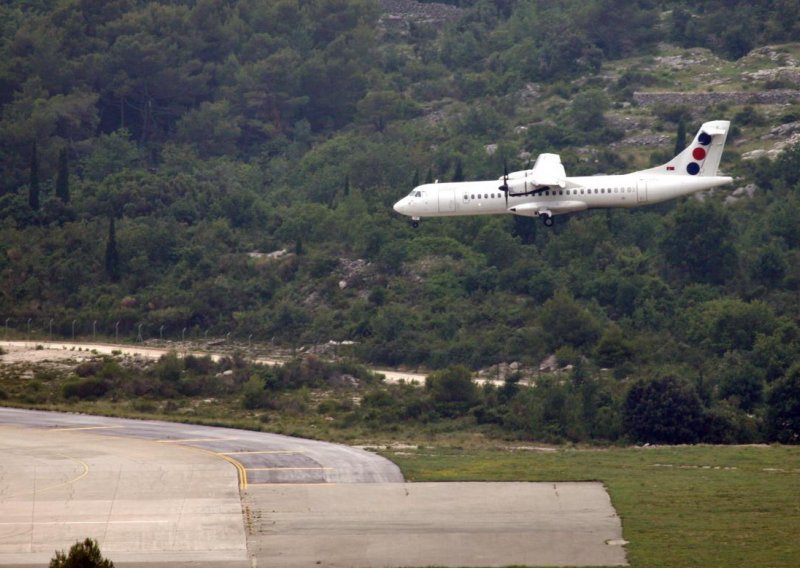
point(398, 14)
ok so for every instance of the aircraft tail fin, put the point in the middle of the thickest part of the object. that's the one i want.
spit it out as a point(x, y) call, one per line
point(702, 156)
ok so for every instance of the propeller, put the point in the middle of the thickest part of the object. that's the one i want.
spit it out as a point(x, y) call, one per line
point(504, 187)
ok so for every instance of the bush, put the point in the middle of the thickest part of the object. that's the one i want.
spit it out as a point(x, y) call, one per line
point(253, 393)
point(84, 554)
point(169, 367)
point(90, 388)
point(198, 365)
point(88, 368)
point(145, 406)
point(452, 391)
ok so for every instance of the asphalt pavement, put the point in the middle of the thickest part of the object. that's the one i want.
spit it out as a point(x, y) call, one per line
point(167, 494)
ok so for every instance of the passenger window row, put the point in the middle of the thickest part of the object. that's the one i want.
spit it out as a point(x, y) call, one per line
point(554, 192)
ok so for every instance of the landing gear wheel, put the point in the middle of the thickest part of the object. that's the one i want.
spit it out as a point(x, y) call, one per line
point(548, 220)
point(415, 224)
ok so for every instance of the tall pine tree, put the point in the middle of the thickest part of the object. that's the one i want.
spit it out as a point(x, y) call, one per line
point(680, 138)
point(62, 180)
point(458, 175)
point(33, 185)
point(112, 256)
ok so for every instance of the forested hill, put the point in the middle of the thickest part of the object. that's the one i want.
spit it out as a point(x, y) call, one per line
point(228, 166)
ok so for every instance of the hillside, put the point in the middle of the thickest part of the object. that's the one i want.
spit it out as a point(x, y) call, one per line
point(226, 168)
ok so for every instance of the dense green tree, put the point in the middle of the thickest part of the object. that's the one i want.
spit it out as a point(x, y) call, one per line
point(666, 410)
point(698, 243)
point(783, 419)
point(588, 108)
point(458, 174)
point(613, 348)
point(84, 554)
point(769, 267)
point(729, 324)
point(112, 255)
point(774, 353)
point(33, 182)
point(740, 381)
point(452, 390)
point(566, 321)
point(62, 181)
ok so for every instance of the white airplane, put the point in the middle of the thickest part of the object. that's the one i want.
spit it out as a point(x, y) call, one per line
point(545, 190)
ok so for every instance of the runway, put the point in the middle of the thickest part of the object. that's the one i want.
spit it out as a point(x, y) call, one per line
point(258, 457)
point(143, 502)
point(165, 494)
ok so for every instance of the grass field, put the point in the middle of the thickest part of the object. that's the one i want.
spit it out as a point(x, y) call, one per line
point(680, 506)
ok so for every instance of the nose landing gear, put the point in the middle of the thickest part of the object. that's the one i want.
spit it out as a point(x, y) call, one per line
point(415, 222)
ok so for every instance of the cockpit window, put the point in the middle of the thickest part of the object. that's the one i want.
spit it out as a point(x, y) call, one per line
point(417, 194)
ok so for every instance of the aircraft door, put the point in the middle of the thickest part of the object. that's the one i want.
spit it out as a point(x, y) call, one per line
point(447, 201)
point(641, 191)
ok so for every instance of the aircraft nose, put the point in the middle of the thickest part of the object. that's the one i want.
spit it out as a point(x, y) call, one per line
point(401, 206)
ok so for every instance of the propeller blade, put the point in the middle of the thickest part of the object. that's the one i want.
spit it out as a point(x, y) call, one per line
point(504, 187)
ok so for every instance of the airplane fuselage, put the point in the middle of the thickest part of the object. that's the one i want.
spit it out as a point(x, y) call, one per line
point(579, 193)
point(545, 190)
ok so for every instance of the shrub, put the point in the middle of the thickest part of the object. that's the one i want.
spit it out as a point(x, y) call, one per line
point(145, 406)
point(452, 391)
point(253, 393)
point(169, 367)
point(90, 388)
point(84, 554)
point(88, 368)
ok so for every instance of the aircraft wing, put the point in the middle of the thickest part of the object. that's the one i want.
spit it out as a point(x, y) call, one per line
point(548, 170)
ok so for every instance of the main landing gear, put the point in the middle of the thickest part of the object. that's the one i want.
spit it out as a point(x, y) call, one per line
point(547, 219)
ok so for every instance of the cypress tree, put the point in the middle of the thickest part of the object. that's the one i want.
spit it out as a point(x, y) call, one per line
point(62, 180)
point(458, 175)
point(33, 186)
point(112, 256)
point(680, 138)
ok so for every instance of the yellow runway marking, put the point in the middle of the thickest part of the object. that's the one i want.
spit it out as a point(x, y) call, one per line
point(319, 484)
point(72, 429)
point(285, 468)
point(239, 467)
point(40, 523)
point(193, 440)
point(261, 452)
point(83, 474)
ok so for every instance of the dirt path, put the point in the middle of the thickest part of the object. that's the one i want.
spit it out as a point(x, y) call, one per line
point(41, 351)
